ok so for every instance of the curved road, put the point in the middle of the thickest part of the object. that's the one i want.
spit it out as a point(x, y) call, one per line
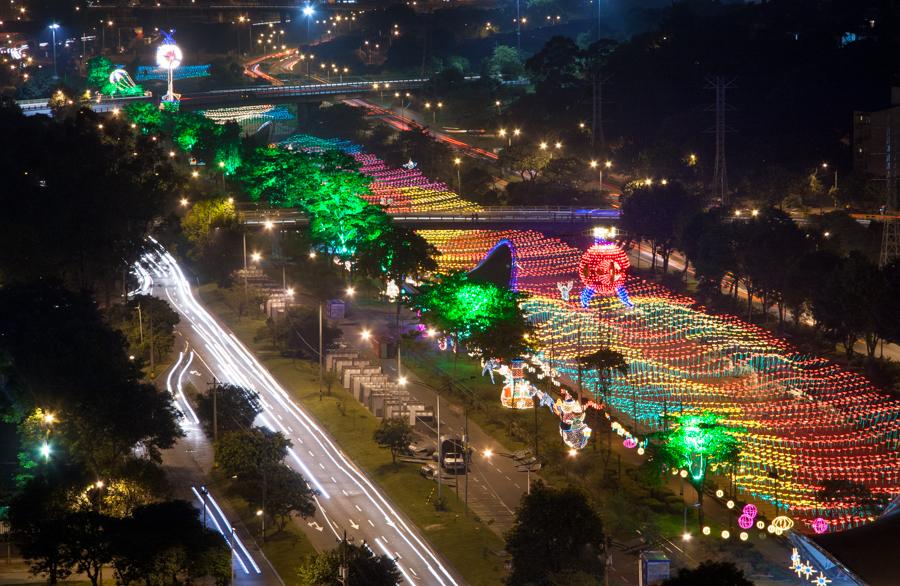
point(348, 500)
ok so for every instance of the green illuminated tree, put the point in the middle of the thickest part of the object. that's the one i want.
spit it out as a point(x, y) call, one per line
point(485, 315)
point(694, 443)
point(280, 178)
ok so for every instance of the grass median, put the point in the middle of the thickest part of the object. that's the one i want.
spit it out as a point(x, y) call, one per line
point(469, 545)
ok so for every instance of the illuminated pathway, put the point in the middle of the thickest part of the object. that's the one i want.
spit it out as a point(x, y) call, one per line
point(347, 500)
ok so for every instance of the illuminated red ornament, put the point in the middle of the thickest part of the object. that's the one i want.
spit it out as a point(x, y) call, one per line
point(819, 525)
point(630, 442)
point(745, 521)
point(603, 267)
point(750, 510)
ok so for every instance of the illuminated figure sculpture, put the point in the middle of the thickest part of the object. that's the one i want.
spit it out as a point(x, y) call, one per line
point(517, 391)
point(564, 288)
point(602, 270)
point(572, 428)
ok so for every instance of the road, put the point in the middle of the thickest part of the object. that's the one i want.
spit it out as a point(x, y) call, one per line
point(347, 500)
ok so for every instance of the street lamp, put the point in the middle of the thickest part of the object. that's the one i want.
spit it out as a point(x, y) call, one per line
point(308, 12)
point(502, 132)
point(256, 257)
point(53, 28)
point(262, 517)
point(350, 291)
point(457, 161)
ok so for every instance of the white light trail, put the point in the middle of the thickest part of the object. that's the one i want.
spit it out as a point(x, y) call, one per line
point(239, 365)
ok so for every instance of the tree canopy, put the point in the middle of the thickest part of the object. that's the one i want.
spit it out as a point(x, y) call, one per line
point(556, 531)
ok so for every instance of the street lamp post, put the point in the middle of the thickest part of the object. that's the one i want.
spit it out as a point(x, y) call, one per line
point(457, 161)
point(53, 28)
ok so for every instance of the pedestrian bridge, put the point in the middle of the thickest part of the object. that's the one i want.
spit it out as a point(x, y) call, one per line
point(487, 217)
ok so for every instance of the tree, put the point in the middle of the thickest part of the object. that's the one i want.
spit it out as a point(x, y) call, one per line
point(489, 317)
point(165, 543)
point(89, 542)
point(847, 306)
point(503, 62)
point(397, 253)
point(237, 407)
point(248, 452)
point(693, 443)
point(37, 517)
point(605, 361)
point(287, 492)
point(525, 160)
point(97, 200)
point(839, 491)
point(395, 434)
point(146, 322)
point(710, 573)
point(556, 530)
point(204, 216)
point(657, 213)
point(324, 569)
point(103, 413)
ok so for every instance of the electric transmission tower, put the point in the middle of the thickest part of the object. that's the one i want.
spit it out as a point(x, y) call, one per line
point(890, 235)
point(720, 170)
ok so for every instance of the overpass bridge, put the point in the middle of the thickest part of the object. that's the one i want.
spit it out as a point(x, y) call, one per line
point(262, 94)
point(485, 218)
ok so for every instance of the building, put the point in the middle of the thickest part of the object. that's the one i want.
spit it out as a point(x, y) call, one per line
point(876, 136)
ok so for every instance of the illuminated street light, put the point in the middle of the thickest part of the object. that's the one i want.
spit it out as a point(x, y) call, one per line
point(402, 381)
point(573, 452)
point(184, 202)
point(53, 28)
point(351, 291)
point(365, 334)
point(269, 224)
point(256, 256)
point(45, 450)
point(49, 418)
point(488, 452)
point(685, 536)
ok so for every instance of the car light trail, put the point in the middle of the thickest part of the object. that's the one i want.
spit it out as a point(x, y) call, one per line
point(237, 365)
point(231, 537)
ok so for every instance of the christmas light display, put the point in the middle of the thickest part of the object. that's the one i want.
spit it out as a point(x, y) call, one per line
point(249, 117)
point(123, 84)
point(745, 521)
point(147, 73)
point(168, 58)
point(799, 419)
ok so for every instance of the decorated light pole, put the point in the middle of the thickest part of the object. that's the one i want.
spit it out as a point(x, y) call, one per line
point(168, 57)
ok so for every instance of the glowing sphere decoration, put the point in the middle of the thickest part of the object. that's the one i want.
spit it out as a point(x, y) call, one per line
point(630, 442)
point(750, 510)
point(819, 525)
point(782, 523)
point(745, 521)
point(168, 55)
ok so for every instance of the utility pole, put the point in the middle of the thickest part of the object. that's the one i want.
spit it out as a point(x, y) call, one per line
point(152, 349)
point(321, 363)
point(140, 324)
point(720, 172)
point(215, 394)
point(344, 572)
point(440, 451)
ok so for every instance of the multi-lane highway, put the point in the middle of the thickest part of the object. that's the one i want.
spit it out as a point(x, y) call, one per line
point(347, 500)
